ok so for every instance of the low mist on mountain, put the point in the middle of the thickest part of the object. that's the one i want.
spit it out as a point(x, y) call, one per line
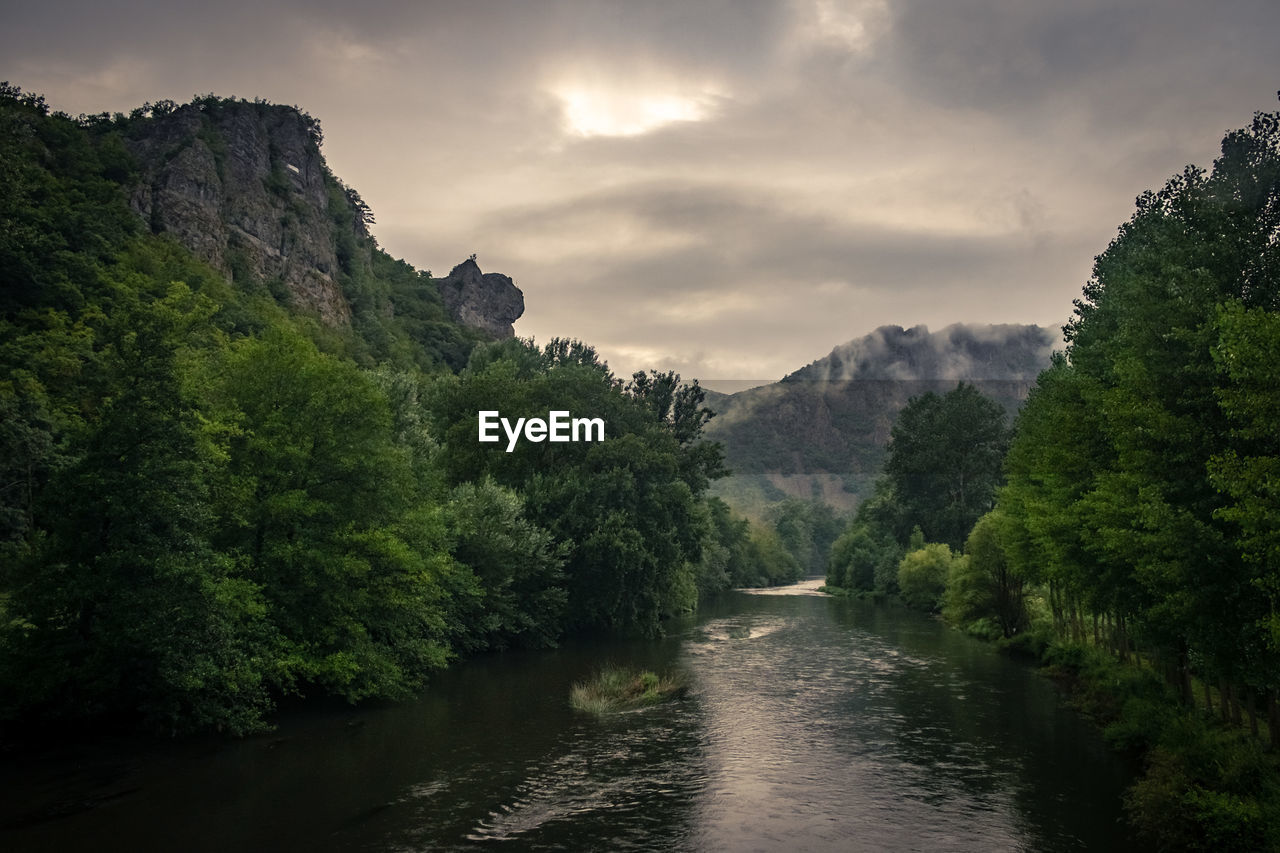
point(821, 431)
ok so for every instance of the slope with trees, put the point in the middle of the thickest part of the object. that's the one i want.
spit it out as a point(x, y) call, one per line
point(1134, 542)
point(216, 495)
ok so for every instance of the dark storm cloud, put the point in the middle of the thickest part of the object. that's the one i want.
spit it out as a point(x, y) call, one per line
point(727, 188)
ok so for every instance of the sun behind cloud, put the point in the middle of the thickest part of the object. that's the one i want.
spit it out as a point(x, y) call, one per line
point(601, 110)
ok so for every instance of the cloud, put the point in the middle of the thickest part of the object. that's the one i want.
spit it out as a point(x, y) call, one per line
point(725, 188)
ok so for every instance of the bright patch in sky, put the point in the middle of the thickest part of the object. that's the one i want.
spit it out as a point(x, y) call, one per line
point(598, 112)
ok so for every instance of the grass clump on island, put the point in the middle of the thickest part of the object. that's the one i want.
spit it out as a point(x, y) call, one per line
point(620, 688)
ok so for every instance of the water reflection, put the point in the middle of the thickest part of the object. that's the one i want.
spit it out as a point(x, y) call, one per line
point(812, 724)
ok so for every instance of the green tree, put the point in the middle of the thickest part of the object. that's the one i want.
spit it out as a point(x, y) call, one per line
point(862, 558)
point(628, 508)
point(124, 605)
point(771, 563)
point(985, 584)
point(944, 462)
point(518, 565)
point(726, 557)
point(922, 575)
point(1247, 471)
point(322, 505)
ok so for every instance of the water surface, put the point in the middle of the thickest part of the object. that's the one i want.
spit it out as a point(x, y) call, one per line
point(812, 724)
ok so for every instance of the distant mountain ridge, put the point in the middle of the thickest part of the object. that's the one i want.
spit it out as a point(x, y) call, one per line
point(820, 432)
point(961, 351)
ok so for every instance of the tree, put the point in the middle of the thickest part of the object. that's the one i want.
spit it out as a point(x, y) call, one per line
point(862, 558)
point(944, 462)
point(985, 585)
point(1247, 471)
point(1140, 481)
point(322, 504)
point(628, 508)
point(124, 605)
point(518, 566)
point(922, 575)
point(771, 563)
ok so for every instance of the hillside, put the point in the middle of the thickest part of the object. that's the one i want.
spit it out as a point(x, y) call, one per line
point(245, 188)
point(238, 455)
point(820, 432)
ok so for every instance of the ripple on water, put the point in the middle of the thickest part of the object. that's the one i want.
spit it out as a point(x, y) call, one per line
point(811, 724)
point(618, 771)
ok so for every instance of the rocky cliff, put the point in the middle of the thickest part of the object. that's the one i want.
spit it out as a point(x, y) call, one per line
point(245, 187)
point(489, 302)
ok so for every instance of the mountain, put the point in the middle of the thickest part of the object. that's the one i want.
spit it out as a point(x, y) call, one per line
point(244, 186)
point(821, 431)
point(961, 351)
point(238, 460)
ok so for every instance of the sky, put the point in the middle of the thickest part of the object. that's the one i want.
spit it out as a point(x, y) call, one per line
point(726, 189)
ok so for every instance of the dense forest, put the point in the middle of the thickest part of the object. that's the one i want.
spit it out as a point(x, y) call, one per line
point(215, 495)
point(1130, 534)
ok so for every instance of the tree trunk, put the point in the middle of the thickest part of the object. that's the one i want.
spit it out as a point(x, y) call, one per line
point(1234, 692)
point(1054, 610)
point(1184, 676)
point(1224, 692)
point(1208, 697)
point(1251, 705)
point(1273, 719)
point(1097, 640)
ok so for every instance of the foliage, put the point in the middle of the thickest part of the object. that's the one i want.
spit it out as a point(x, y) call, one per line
point(862, 558)
point(1206, 787)
point(985, 584)
point(773, 563)
point(865, 556)
point(628, 508)
point(1141, 490)
point(944, 463)
point(208, 502)
point(923, 573)
point(807, 530)
point(738, 553)
point(518, 566)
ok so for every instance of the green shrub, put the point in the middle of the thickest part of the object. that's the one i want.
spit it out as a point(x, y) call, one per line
point(922, 575)
point(1033, 643)
point(1176, 810)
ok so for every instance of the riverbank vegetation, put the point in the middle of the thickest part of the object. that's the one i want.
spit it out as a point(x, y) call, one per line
point(211, 499)
point(615, 689)
point(1133, 543)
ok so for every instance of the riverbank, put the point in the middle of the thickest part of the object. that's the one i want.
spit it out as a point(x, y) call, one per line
point(1205, 785)
point(835, 726)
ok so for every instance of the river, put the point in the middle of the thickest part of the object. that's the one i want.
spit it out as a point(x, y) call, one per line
point(812, 723)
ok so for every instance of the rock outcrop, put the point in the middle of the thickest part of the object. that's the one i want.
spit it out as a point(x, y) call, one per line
point(489, 302)
point(244, 186)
